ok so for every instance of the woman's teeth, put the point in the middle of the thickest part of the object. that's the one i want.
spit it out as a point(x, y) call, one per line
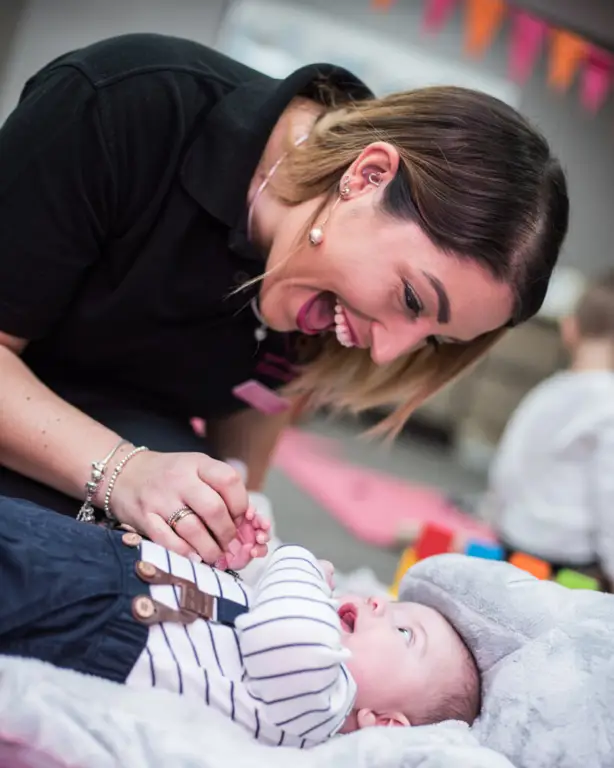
point(342, 330)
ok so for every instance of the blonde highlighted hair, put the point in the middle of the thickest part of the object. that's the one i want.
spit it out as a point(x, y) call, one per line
point(479, 181)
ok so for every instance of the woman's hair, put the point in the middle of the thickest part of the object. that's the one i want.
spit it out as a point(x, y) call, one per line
point(478, 180)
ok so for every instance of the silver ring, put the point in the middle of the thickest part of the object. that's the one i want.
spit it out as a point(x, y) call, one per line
point(179, 515)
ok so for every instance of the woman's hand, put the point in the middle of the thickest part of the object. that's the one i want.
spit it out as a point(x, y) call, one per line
point(154, 485)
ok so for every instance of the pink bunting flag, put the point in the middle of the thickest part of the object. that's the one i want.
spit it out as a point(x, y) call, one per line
point(527, 37)
point(437, 13)
point(596, 79)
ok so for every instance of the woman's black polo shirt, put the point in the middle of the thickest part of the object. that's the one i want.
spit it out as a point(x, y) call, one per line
point(124, 174)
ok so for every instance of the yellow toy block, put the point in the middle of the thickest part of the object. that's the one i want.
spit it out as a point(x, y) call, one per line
point(408, 558)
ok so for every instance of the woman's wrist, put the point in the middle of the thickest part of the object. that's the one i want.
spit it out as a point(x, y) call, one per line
point(114, 475)
point(101, 490)
point(98, 470)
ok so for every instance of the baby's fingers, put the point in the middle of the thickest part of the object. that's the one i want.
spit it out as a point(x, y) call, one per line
point(260, 550)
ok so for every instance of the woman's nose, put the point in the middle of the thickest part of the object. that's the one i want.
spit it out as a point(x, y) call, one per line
point(387, 344)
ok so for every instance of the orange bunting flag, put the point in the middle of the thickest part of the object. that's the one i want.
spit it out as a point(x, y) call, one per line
point(566, 53)
point(382, 5)
point(484, 18)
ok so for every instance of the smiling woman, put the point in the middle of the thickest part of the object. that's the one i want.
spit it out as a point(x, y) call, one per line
point(161, 205)
point(416, 226)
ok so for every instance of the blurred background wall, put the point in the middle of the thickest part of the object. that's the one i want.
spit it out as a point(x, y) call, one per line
point(39, 30)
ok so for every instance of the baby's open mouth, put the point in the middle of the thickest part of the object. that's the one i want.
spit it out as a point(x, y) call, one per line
point(347, 616)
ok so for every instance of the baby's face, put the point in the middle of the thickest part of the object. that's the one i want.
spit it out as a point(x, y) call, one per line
point(404, 655)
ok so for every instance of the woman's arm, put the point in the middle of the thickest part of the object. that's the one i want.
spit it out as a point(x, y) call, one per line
point(65, 189)
point(57, 207)
point(46, 438)
point(42, 436)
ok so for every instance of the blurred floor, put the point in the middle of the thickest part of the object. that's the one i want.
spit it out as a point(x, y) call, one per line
point(300, 519)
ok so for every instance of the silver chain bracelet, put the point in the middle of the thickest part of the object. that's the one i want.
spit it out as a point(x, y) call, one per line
point(116, 473)
point(86, 513)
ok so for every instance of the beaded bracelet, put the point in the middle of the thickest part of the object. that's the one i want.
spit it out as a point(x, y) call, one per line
point(86, 513)
point(116, 473)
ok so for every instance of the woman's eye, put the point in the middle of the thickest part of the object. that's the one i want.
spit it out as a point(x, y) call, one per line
point(407, 634)
point(412, 300)
point(434, 342)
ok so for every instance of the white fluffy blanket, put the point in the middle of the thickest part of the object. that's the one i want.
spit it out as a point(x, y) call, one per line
point(52, 718)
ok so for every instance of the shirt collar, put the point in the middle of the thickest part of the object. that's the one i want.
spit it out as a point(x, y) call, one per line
point(220, 163)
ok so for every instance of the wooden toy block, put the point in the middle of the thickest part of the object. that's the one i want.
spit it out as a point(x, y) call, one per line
point(408, 533)
point(533, 565)
point(408, 558)
point(574, 580)
point(434, 540)
point(487, 550)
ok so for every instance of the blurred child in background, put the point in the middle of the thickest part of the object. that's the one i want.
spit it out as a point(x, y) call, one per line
point(551, 485)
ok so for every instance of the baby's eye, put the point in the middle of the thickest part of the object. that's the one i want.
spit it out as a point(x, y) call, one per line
point(408, 634)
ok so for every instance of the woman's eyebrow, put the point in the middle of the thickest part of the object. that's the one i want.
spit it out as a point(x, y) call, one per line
point(443, 311)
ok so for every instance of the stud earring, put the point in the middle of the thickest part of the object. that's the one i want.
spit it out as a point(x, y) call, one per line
point(316, 234)
point(345, 190)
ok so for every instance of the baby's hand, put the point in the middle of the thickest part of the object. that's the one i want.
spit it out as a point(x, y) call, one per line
point(251, 542)
point(329, 572)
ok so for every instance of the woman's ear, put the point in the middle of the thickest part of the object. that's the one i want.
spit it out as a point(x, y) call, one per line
point(366, 718)
point(377, 164)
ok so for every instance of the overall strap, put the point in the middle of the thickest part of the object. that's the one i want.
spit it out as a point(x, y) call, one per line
point(193, 603)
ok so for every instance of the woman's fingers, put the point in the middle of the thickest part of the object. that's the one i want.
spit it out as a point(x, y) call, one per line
point(192, 530)
point(212, 512)
point(227, 482)
point(156, 529)
point(154, 485)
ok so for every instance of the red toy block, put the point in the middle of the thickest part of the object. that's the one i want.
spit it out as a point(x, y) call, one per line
point(434, 540)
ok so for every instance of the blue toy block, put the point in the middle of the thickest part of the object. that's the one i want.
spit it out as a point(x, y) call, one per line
point(487, 550)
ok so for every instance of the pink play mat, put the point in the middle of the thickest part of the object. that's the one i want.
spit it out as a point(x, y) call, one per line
point(374, 506)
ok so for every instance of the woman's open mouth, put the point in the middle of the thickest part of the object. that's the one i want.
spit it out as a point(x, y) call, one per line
point(347, 617)
point(323, 313)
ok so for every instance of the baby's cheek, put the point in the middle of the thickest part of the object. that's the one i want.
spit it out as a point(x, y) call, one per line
point(377, 667)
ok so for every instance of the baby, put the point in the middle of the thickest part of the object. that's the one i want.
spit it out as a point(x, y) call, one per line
point(284, 660)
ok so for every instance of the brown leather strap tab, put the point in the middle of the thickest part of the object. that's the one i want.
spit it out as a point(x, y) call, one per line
point(150, 574)
point(148, 611)
point(195, 601)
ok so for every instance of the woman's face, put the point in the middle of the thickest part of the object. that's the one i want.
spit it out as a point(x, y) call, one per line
point(394, 287)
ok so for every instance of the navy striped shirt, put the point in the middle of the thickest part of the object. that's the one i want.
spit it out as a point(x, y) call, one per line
point(279, 673)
